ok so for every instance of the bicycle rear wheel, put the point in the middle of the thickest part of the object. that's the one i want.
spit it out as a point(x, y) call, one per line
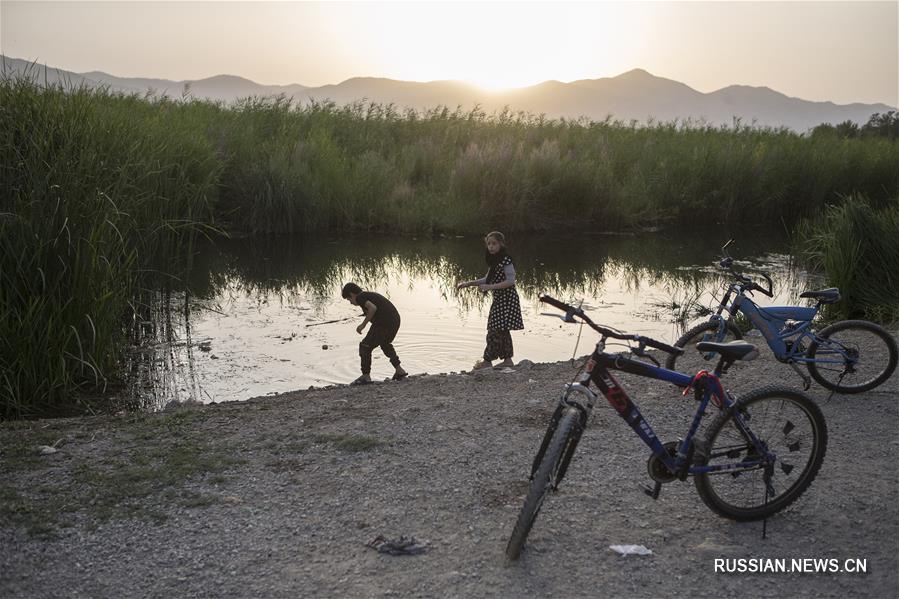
point(864, 356)
point(543, 481)
point(692, 360)
point(791, 426)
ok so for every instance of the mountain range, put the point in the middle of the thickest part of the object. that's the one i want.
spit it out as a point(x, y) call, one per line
point(635, 95)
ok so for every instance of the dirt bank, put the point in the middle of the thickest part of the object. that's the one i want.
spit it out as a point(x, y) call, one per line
point(277, 497)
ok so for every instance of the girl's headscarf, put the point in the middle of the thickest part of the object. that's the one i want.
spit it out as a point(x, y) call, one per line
point(494, 260)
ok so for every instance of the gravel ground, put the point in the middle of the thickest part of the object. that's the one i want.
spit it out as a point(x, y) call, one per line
point(277, 497)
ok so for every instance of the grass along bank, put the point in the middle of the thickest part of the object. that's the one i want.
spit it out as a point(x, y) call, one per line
point(98, 190)
point(95, 190)
point(857, 247)
point(365, 166)
point(140, 467)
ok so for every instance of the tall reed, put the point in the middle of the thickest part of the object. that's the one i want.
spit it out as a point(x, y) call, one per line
point(364, 166)
point(95, 190)
point(857, 248)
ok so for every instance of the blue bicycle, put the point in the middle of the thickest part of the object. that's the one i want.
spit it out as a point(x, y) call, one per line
point(850, 356)
point(758, 455)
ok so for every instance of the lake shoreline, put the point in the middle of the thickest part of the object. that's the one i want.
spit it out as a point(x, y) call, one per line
point(261, 314)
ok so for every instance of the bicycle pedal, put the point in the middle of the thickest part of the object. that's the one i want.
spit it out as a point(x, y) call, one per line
point(654, 492)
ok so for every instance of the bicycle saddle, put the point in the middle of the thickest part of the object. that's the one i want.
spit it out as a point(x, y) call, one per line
point(825, 296)
point(731, 352)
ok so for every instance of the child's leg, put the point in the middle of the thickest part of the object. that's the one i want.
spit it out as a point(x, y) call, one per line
point(493, 349)
point(390, 352)
point(373, 339)
point(386, 340)
point(365, 354)
point(505, 345)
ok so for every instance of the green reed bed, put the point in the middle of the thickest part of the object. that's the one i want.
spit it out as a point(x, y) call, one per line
point(100, 189)
point(94, 190)
point(363, 166)
point(857, 248)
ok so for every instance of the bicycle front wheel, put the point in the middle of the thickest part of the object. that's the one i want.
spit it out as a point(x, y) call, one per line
point(852, 356)
point(692, 360)
point(790, 425)
point(543, 481)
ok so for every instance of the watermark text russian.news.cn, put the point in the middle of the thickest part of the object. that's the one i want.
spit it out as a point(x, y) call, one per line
point(800, 565)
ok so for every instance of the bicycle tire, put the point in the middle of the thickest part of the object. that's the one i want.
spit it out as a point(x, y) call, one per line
point(850, 333)
point(543, 480)
point(795, 431)
point(696, 334)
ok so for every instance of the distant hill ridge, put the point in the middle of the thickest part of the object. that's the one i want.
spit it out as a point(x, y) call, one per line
point(634, 95)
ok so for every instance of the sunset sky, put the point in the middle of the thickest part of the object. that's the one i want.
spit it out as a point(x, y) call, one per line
point(839, 51)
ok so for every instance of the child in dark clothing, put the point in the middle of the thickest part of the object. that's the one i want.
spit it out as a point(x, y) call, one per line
point(385, 322)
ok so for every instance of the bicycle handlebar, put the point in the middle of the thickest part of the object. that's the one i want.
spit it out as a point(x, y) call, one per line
point(571, 312)
point(568, 309)
point(727, 263)
point(750, 285)
point(770, 290)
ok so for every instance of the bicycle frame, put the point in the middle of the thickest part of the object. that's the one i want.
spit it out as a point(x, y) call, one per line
point(785, 328)
point(707, 387)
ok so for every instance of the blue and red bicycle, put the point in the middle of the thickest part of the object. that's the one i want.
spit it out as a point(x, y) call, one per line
point(758, 455)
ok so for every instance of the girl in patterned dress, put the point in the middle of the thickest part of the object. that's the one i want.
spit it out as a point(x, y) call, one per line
point(505, 311)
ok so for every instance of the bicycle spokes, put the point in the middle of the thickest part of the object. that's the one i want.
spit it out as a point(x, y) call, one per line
point(852, 356)
point(775, 456)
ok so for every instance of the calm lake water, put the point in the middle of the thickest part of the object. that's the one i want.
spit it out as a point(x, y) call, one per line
point(253, 317)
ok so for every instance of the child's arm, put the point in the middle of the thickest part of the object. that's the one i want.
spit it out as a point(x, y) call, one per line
point(509, 270)
point(370, 310)
point(477, 282)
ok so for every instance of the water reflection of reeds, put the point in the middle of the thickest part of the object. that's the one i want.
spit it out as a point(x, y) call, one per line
point(159, 364)
point(569, 265)
point(306, 273)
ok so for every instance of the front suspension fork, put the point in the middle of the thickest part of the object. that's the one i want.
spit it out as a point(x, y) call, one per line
point(575, 437)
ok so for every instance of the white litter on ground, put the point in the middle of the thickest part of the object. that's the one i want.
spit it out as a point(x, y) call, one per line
point(630, 549)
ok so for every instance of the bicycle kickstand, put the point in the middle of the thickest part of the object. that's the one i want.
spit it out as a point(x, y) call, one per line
point(806, 379)
point(832, 391)
point(769, 492)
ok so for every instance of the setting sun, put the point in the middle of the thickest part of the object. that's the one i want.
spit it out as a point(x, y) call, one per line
point(497, 46)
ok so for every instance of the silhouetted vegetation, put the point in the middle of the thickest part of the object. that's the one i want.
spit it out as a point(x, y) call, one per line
point(857, 247)
point(94, 190)
point(884, 125)
point(366, 166)
point(97, 189)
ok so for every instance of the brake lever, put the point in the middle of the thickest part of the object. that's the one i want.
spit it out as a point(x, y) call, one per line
point(563, 317)
point(552, 314)
point(641, 352)
point(770, 291)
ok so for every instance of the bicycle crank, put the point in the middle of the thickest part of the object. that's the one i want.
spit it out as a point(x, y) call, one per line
point(658, 471)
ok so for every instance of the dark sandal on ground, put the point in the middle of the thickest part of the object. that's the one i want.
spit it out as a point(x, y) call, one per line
point(361, 381)
point(400, 376)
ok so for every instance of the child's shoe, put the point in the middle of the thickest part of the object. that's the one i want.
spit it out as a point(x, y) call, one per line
point(362, 380)
point(507, 363)
point(400, 375)
point(482, 364)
